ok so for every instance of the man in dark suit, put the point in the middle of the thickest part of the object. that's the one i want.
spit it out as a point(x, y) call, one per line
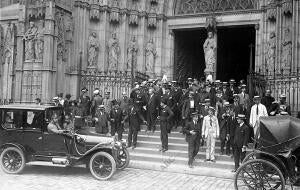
point(189, 106)
point(115, 116)
point(237, 107)
point(267, 100)
point(134, 118)
point(165, 115)
point(193, 136)
point(170, 103)
point(240, 141)
point(152, 108)
point(225, 128)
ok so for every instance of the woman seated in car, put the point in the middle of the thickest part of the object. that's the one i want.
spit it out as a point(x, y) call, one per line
point(53, 126)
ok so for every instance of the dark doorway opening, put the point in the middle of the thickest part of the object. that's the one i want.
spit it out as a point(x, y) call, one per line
point(189, 55)
point(233, 53)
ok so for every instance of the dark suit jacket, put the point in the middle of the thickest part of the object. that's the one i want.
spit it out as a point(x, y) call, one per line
point(186, 110)
point(116, 117)
point(191, 126)
point(241, 135)
point(153, 105)
point(134, 117)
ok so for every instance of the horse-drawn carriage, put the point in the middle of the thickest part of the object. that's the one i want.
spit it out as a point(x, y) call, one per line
point(275, 161)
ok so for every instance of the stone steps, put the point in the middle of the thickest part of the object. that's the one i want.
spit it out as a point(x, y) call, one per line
point(147, 156)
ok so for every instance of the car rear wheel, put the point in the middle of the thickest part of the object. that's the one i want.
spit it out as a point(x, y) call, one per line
point(123, 159)
point(102, 165)
point(12, 160)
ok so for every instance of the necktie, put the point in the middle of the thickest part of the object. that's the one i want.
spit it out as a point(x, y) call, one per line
point(210, 121)
point(256, 109)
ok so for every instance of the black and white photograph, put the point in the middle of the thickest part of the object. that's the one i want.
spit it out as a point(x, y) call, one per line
point(150, 94)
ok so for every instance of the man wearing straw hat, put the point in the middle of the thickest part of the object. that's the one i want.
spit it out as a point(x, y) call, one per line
point(257, 110)
point(210, 131)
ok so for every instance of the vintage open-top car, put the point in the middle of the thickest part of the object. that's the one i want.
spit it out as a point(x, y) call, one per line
point(275, 161)
point(24, 138)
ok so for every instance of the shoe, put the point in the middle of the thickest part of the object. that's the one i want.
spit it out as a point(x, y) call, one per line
point(160, 149)
point(164, 150)
point(133, 147)
point(233, 171)
point(214, 161)
point(191, 166)
point(206, 160)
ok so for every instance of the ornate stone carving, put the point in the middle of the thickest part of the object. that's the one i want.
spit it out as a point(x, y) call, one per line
point(134, 15)
point(93, 49)
point(69, 28)
point(152, 17)
point(1, 44)
point(209, 48)
point(30, 41)
point(132, 53)
point(287, 7)
point(95, 10)
point(113, 52)
point(287, 48)
point(204, 6)
point(211, 24)
point(151, 55)
point(60, 31)
point(270, 53)
point(271, 10)
point(115, 12)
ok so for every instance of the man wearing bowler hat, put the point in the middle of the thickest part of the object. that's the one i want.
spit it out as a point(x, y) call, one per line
point(240, 141)
point(193, 135)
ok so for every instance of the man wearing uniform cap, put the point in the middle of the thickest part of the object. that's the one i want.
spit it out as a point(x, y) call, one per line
point(193, 136)
point(210, 132)
point(257, 110)
point(107, 102)
point(283, 106)
point(241, 136)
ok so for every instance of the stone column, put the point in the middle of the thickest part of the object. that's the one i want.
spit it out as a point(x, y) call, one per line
point(20, 57)
point(48, 76)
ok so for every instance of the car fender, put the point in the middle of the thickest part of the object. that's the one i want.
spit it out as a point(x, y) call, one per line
point(275, 161)
point(91, 152)
point(17, 145)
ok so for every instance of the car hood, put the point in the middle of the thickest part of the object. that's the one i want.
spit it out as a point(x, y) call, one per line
point(91, 137)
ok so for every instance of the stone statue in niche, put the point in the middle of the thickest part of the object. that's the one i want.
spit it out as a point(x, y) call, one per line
point(30, 38)
point(209, 48)
point(287, 48)
point(132, 53)
point(151, 55)
point(93, 49)
point(270, 52)
point(113, 52)
point(39, 48)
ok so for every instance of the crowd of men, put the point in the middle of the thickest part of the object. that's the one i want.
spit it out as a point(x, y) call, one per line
point(205, 111)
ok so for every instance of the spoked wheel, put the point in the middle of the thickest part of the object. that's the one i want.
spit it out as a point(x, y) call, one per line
point(12, 160)
point(123, 159)
point(102, 165)
point(259, 174)
point(250, 156)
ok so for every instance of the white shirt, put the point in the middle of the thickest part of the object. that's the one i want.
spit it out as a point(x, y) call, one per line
point(192, 104)
point(254, 117)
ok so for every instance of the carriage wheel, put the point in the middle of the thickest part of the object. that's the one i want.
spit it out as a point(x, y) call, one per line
point(250, 156)
point(259, 174)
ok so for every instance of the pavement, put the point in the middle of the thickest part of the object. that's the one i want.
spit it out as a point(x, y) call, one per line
point(48, 178)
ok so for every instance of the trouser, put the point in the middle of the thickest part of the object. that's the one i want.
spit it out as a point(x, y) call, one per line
point(210, 147)
point(230, 144)
point(223, 143)
point(151, 123)
point(238, 156)
point(193, 148)
point(132, 136)
point(164, 134)
point(117, 128)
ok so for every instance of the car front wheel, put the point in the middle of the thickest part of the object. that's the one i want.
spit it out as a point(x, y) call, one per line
point(123, 159)
point(102, 165)
point(12, 160)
